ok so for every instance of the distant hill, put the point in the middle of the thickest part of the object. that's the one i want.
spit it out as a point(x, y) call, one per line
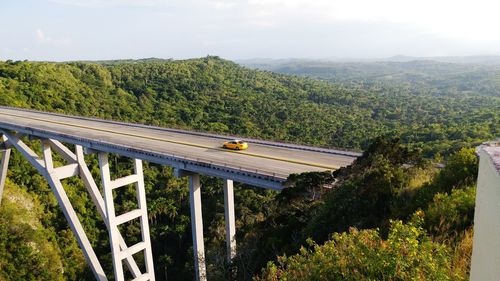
point(444, 76)
point(480, 60)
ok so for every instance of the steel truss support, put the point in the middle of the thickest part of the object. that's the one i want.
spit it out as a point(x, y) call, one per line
point(96, 196)
point(54, 175)
point(4, 164)
point(105, 205)
point(77, 166)
point(113, 221)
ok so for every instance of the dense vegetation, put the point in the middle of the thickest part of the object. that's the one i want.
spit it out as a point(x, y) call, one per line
point(392, 193)
point(387, 186)
point(420, 75)
point(407, 254)
point(425, 102)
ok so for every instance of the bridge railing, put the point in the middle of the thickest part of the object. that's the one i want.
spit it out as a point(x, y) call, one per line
point(208, 166)
point(281, 143)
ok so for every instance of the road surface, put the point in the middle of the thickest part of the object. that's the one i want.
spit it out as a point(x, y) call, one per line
point(269, 158)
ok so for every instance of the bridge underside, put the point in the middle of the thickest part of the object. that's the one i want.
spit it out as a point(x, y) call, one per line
point(264, 164)
point(103, 200)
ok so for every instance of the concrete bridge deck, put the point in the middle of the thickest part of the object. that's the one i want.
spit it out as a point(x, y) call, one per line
point(264, 164)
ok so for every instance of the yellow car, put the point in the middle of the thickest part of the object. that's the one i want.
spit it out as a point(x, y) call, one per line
point(235, 144)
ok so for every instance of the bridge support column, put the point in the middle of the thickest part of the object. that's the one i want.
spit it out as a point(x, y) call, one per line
point(118, 247)
point(77, 167)
point(54, 176)
point(197, 226)
point(3, 169)
point(230, 221)
point(98, 200)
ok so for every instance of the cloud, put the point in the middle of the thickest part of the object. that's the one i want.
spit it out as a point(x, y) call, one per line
point(41, 36)
point(255, 28)
point(113, 3)
point(458, 19)
point(55, 42)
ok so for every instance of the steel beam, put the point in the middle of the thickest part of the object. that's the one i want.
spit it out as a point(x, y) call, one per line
point(197, 227)
point(45, 167)
point(89, 183)
point(67, 154)
point(141, 202)
point(110, 216)
point(230, 220)
point(77, 166)
point(70, 213)
point(98, 200)
point(3, 169)
point(119, 249)
point(27, 152)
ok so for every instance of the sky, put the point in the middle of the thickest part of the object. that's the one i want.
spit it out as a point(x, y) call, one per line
point(61, 30)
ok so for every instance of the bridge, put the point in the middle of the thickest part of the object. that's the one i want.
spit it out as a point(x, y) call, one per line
point(265, 164)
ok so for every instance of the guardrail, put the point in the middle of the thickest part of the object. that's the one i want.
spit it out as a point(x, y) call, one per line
point(198, 133)
point(202, 165)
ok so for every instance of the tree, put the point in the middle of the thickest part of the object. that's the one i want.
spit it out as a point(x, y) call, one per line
point(407, 254)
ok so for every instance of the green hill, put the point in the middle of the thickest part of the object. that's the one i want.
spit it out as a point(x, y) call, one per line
point(391, 182)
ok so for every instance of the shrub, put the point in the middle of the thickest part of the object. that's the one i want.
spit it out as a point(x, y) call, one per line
point(407, 254)
point(451, 214)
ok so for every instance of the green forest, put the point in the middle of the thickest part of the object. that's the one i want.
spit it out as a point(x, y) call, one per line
point(392, 215)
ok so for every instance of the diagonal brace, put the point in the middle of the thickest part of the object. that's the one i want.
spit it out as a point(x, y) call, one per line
point(45, 167)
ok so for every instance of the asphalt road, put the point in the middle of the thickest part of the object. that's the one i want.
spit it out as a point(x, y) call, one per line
point(270, 158)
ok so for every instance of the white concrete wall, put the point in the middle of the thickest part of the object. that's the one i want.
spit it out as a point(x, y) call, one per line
point(486, 248)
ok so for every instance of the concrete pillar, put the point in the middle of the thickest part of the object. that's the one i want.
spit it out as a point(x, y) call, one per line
point(3, 170)
point(229, 216)
point(197, 226)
